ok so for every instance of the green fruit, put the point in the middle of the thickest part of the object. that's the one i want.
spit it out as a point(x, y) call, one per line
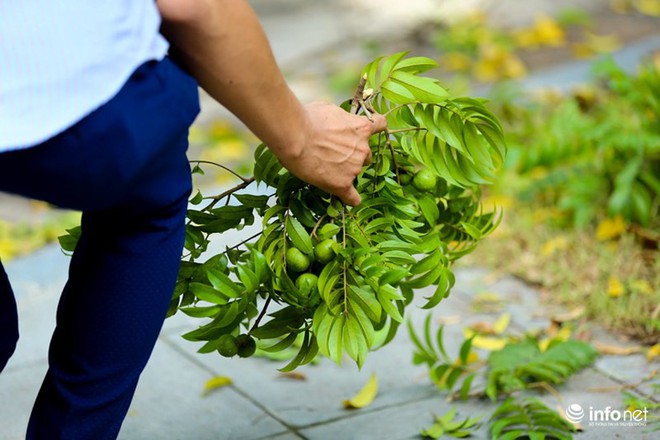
point(324, 251)
point(246, 345)
point(405, 178)
point(306, 283)
point(424, 180)
point(227, 346)
point(296, 260)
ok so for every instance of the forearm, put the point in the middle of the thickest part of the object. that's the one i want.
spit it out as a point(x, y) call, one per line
point(222, 43)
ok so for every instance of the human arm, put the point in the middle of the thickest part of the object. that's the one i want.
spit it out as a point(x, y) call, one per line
point(222, 44)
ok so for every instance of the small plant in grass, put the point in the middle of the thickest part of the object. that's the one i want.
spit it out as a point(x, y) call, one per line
point(446, 425)
point(520, 365)
point(528, 418)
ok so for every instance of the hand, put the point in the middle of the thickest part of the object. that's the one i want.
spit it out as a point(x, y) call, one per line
point(333, 150)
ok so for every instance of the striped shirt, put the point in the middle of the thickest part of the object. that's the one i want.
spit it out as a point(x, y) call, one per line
point(61, 60)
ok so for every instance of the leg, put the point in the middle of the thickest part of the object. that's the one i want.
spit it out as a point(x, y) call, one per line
point(125, 167)
point(8, 319)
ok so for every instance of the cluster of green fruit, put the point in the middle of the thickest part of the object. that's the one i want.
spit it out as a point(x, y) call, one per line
point(242, 345)
point(341, 277)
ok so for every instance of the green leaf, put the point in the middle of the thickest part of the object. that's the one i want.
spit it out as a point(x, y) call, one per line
point(223, 283)
point(388, 66)
point(197, 198)
point(424, 89)
point(298, 235)
point(208, 293)
point(416, 65)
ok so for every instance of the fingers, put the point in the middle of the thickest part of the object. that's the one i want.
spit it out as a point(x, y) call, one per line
point(368, 159)
point(378, 123)
point(350, 196)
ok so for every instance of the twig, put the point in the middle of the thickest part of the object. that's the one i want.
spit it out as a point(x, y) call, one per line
point(231, 191)
point(261, 314)
point(221, 166)
point(316, 226)
point(357, 97)
point(246, 240)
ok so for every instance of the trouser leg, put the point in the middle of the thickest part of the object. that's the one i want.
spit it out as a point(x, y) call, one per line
point(8, 319)
point(125, 167)
point(121, 280)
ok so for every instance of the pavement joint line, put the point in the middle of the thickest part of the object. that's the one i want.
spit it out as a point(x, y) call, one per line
point(237, 389)
point(277, 435)
point(625, 385)
point(368, 410)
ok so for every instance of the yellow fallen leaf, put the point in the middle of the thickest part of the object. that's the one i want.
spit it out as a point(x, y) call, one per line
point(641, 286)
point(455, 62)
point(7, 249)
point(620, 6)
point(616, 349)
point(525, 38)
point(488, 343)
point(653, 352)
point(549, 32)
point(555, 332)
point(502, 323)
point(596, 44)
point(221, 128)
point(214, 383)
point(610, 228)
point(553, 245)
point(615, 288)
point(366, 395)
point(648, 7)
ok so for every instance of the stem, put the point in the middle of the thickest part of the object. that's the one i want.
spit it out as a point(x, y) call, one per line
point(221, 166)
point(357, 96)
point(245, 241)
point(316, 226)
point(230, 191)
point(394, 109)
point(396, 165)
point(405, 130)
point(261, 314)
point(343, 222)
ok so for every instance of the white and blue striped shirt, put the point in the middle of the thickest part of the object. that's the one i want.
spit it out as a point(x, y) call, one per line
point(60, 60)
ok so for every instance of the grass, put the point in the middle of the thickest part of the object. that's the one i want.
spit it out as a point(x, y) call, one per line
point(615, 280)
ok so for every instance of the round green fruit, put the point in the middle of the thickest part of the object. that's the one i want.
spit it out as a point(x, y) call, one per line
point(296, 260)
point(306, 283)
point(405, 178)
point(324, 251)
point(246, 345)
point(227, 346)
point(424, 180)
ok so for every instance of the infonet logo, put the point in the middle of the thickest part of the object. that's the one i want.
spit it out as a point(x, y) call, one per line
point(607, 417)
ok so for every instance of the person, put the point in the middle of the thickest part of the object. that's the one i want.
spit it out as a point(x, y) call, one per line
point(94, 116)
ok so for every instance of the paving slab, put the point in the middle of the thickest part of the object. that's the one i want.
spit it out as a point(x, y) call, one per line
point(168, 403)
point(18, 390)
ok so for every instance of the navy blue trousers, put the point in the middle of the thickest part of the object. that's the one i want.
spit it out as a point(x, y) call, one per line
point(125, 167)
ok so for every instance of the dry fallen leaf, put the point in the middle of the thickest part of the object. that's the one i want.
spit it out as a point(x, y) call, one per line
point(366, 395)
point(571, 315)
point(295, 375)
point(616, 350)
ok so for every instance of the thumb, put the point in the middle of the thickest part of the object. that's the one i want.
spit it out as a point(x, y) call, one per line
point(379, 123)
point(351, 197)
